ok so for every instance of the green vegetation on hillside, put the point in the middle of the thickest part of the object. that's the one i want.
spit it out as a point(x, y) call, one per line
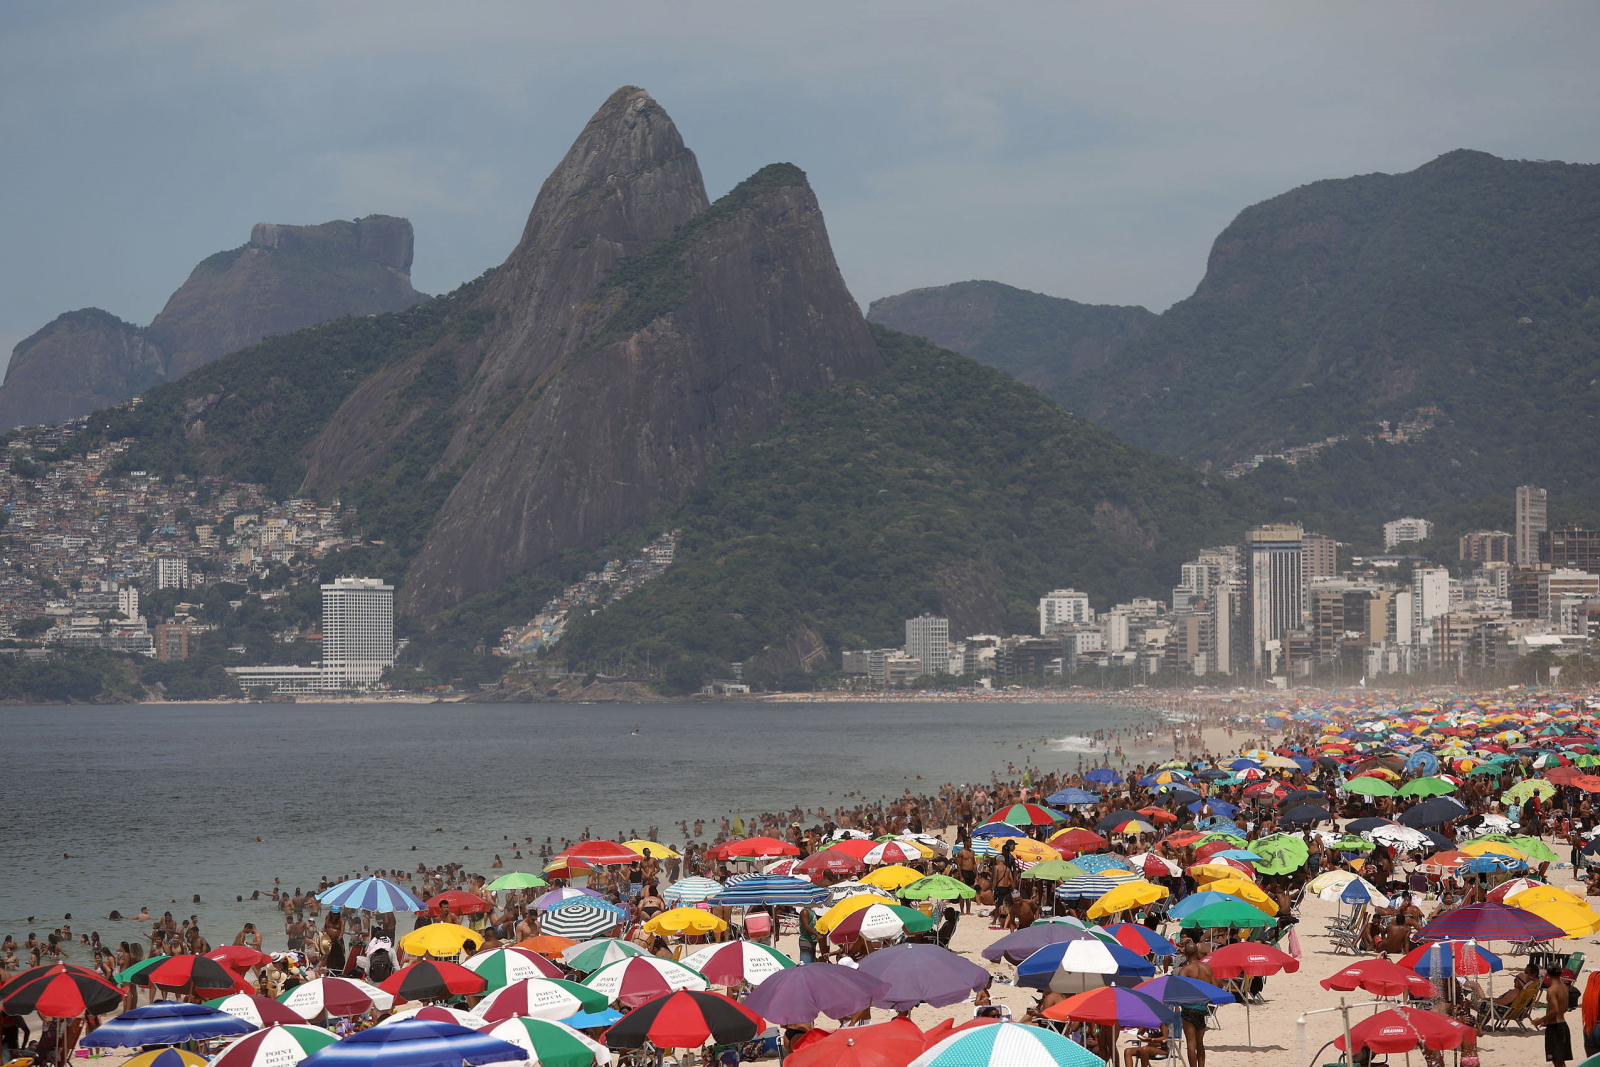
point(939, 486)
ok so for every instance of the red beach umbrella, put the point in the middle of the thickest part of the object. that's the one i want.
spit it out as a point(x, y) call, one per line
point(239, 958)
point(601, 852)
point(829, 861)
point(1243, 957)
point(891, 1044)
point(59, 991)
point(686, 1019)
point(753, 847)
point(1381, 977)
point(432, 979)
point(1077, 839)
point(460, 903)
point(1403, 1029)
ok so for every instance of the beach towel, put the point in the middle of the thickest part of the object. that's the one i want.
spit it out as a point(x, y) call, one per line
point(1294, 941)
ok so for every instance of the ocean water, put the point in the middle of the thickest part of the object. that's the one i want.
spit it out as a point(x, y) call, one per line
point(107, 808)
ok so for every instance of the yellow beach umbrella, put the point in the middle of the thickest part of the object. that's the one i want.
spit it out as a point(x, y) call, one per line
point(849, 906)
point(680, 921)
point(1578, 920)
point(1211, 872)
point(1546, 894)
point(440, 940)
point(1246, 891)
point(185, 1057)
point(1499, 848)
point(895, 876)
point(1031, 851)
point(657, 849)
point(1127, 896)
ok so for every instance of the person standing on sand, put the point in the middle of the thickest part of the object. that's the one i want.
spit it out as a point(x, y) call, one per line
point(1194, 1018)
point(1557, 1034)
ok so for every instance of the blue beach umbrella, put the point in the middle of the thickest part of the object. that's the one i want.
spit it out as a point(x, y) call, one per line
point(165, 1022)
point(769, 889)
point(1086, 887)
point(1180, 992)
point(1103, 775)
point(1078, 966)
point(415, 1043)
point(371, 894)
point(997, 829)
point(1195, 901)
point(1071, 796)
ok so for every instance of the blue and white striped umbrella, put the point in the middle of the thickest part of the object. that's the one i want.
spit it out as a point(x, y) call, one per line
point(166, 1022)
point(1086, 887)
point(581, 919)
point(691, 890)
point(769, 889)
point(371, 894)
point(1007, 1045)
point(1096, 862)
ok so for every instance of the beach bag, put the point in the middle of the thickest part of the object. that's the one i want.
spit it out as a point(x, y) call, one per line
point(1294, 941)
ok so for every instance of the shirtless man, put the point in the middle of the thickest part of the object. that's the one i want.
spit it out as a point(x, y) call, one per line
point(1194, 1019)
point(1557, 1034)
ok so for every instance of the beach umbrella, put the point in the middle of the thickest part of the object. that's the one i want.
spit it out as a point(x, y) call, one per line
point(1153, 866)
point(1057, 870)
point(1179, 992)
point(239, 958)
point(1403, 1029)
point(1112, 1006)
point(1449, 959)
point(1575, 919)
point(1141, 940)
point(1280, 853)
point(890, 1044)
point(437, 1013)
point(686, 1019)
point(458, 903)
point(795, 996)
point(1027, 815)
point(1380, 977)
point(1025, 850)
point(1103, 775)
point(829, 861)
point(548, 1043)
point(1099, 863)
point(581, 918)
point(633, 982)
point(166, 1057)
point(566, 894)
point(276, 1045)
point(752, 847)
point(996, 829)
point(1086, 887)
point(1126, 896)
point(335, 996)
point(1368, 786)
point(1006, 1045)
point(501, 966)
point(1257, 961)
point(894, 877)
point(1533, 848)
point(590, 956)
point(181, 972)
point(546, 945)
point(679, 922)
point(769, 889)
point(1077, 839)
point(256, 1009)
point(541, 998)
point(941, 887)
point(1226, 915)
point(1072, 797)
point(1435, 812)
point(657, 849)
point(59, 991)
point(371, 894)
point(603, 853)
point(1399, 837)
point(415, 1043)
point(923, 974)
point(1501, 893)
point(691, 890)
point(1427, 787)
point(165, 1022)
point(877, 922)
point(516, 880)
point(732, 962)
point(1089, 963)
point(432, 980)
point(1306, 815)
point(1521, 791)
point(1246, 891)
point(440, 940)
point(873, 853)
point(1356, 890)
point(1489, 922)
point(1020, 944)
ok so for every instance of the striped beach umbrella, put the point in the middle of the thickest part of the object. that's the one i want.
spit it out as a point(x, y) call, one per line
point(540, 998)
point(733, 962)
point(1007, 1045)
point(165, 1023)
point(432, 980)
point(277, 1045)
point(371, 894)
point(166, 1057)
point(635, 981)
point(1076, 966)
point(691, 890)
point(1490, 922)
point(581, 918)
point(501, 966)
point(588, 956)
point(686, 1019)
point(59, 991)
point(336, 997)
point(1027, 815)
point(1086, 887)
point(256, 1009)
point(877, 922)
point(437, 1013)
point(415, 1043)
point(549, 1043)
point(769, 889)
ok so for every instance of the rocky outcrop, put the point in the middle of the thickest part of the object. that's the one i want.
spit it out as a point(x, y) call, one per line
point(81, 361)
point(286, 278)
point(633, 334)
point(1038, 339)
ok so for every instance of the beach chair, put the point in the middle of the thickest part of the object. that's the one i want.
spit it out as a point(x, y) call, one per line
point(1492, 1016)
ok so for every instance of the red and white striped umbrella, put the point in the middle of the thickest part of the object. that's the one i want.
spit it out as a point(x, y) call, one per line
point(335, 996)
point(635, 981)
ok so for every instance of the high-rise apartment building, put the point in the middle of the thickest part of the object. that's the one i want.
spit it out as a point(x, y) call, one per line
point(1430, 598)
point(928, 640)
point(128, 601)
point(1402, 530)
point(1571, 546)
point(357, 631)
point(1275, 586)
point(172, 573)
point(1487, 546)
point(1321, 556)
point(1531, 522)
point(1062, 606)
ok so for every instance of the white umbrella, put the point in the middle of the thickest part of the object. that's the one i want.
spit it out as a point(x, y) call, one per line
point(1398, 836)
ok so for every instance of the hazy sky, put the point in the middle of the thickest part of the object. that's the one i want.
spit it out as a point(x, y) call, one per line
point(1083, 150)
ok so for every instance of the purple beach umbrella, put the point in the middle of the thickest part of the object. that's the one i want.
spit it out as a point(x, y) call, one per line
point(923, 974)
point(795, 996)
point(1020, 944)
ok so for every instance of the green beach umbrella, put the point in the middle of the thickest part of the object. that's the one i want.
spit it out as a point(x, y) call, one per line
point(593, 955)
point(1352, 843)
point(1368, 786)
point(1055, 871)
point(550, 1044)
point(938, 887)
point(1217, 835)
point(128, 974)
point(1427, 787)
point(517, 880)
point(1524, 789)
point(1534, 849)
point(1227, 913)
point(1280, 853)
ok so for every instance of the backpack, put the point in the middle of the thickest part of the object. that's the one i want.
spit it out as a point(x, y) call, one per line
point(380, 965)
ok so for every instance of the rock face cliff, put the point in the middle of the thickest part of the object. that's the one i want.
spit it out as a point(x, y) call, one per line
point(1038, 339)
point(633, 334)
point(284, 279)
